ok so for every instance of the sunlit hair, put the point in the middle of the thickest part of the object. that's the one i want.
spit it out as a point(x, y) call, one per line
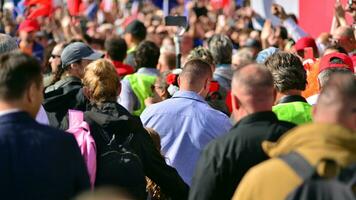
point(102, 81)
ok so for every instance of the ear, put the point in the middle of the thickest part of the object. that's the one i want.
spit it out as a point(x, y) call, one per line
point(86, 93)
point(178, 80)
point(119, 89)
point(159, 66)
point(31, 93)
point(274, 95)
point(234, 102)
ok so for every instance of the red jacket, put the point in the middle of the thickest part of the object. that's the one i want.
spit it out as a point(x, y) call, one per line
point(122, 69)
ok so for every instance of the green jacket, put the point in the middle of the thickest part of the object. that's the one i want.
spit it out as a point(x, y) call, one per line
point(296, 112)
point(141, 86)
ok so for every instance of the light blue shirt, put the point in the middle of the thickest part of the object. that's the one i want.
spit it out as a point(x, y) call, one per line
point(185, 123)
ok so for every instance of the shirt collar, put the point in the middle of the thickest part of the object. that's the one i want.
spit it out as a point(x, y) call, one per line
point(5, 112)
point(148, 71)
point(189, 95)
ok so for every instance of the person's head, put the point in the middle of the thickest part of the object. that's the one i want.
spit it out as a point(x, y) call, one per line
point(135, 32)
point(7, 44)
point(203, 54)
point(55, 59)
point(344, 36)
point(334, 48)
point(76, 56)
point(306, 42)
point(166, 62)
point(337, 101)
point(146, 55)
point(332, 63)
point(28, 29)
point(196, 76)
point(252, 90)
point(101, 83)
point(241, 58)
point(20, 83)
point(116, 49)
point(160, 88)
point(288, 72)
point(220, 47)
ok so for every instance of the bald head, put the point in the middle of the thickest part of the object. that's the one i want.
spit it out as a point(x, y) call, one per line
point(195, 76)
point(337, 101)
point(252, 88)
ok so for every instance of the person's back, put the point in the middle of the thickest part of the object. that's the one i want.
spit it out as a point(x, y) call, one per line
point(138, 86)
point(225, 160)
point(289, 78)
point(37, 161)
point(331, 136)
point(186, 123)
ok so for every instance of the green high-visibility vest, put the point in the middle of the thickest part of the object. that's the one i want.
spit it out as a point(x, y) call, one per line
point(296, 112)
point(141, 86)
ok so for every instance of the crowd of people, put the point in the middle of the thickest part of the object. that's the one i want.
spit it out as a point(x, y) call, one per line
point(249, 103)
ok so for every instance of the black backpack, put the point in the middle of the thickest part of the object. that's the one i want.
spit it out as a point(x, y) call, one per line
point(120, 167)
point(315, 187)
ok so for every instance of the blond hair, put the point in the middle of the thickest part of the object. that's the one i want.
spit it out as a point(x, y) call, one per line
point(102, 81)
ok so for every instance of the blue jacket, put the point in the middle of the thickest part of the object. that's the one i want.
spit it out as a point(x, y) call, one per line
point(37, 161)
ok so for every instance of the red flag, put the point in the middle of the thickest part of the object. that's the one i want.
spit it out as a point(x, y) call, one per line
point(74, 7)
point(41, 10)
point(219, 4)
point(36, 2)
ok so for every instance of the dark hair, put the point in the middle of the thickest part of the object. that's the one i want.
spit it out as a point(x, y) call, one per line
point(147, 55)
point(287, 70)
point(220, 47)
point(17, 72)
point(283, 32)
point(58, 75)
point(116, 48)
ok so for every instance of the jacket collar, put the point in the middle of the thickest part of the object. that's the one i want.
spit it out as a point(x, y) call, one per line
point(16, 117)
point(292, 98)
point(258, 116)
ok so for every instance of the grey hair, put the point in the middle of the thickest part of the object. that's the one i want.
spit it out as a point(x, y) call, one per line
point(220, 47)
point(7, 44)
point(325, 75)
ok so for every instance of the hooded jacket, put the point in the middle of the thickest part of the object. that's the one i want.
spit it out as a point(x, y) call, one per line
point(63, 95)
point(112, 117)
point(274, 179)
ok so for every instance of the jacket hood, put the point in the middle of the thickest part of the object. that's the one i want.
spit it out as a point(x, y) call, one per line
point(110, 116)
point(315, 142)
point(61, 93)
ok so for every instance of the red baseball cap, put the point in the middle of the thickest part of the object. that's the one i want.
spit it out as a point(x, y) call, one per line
point(305, 42)
point(29, 25)
point(326, 64)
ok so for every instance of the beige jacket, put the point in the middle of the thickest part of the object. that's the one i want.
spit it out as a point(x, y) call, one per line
point(274, 179)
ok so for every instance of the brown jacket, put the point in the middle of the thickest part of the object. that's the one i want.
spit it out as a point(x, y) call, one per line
point(274, 179)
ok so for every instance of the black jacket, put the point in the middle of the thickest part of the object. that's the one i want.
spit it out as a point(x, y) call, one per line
point(225, 161)
point(38, 162)
point(107, 116)
point(63, 95)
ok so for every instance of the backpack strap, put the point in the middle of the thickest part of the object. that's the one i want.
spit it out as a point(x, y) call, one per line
point(298, 163)
point(75, 118)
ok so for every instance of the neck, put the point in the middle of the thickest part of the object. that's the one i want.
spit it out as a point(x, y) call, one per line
point(4, 105)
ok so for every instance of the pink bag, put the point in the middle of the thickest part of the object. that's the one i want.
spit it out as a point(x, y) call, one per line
point(81, 131)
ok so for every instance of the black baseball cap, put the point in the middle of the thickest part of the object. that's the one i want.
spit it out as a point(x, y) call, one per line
point(77, 51)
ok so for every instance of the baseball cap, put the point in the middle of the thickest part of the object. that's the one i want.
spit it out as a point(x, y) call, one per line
point(305, 42)
point(325, 62)
point(266, 53)
point(29, 25)
point(137, 29)
point(77, 51)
